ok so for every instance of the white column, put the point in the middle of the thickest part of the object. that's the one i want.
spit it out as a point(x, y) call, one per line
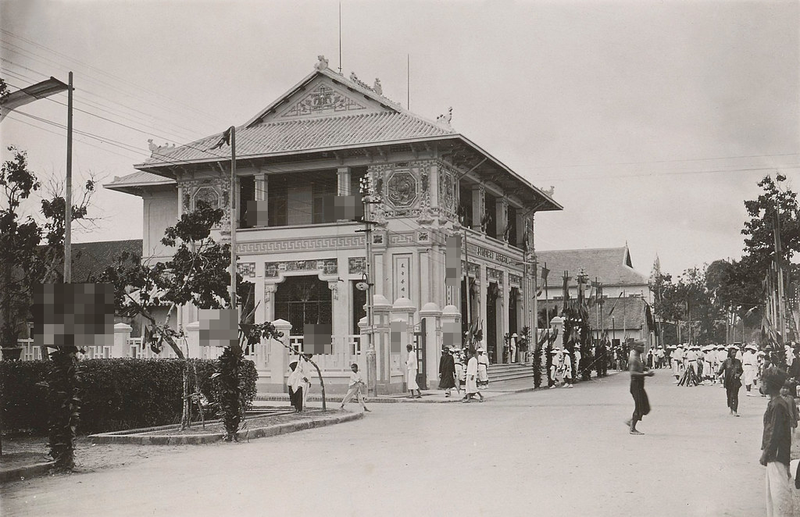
point(193, 339)
point(343, 177)
point(122, 332)
point(501, 216)
point(269, 301)
point(279, 355)
point(477, 206)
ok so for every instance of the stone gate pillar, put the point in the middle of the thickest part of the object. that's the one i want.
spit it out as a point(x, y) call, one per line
point(122, 332)
point(431, 315)
point(402, 333)
point(557, 324)
point(381, 309)
point(279, 356)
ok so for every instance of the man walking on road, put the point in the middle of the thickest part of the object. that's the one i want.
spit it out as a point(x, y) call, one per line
point(638, 373)
point(472, 378)
point(731, 372)
point(776, 443)
point(411, 373)
point(447, 372)
point(354, 388)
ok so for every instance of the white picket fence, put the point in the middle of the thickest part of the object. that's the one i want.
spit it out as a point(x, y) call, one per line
point(345, 351)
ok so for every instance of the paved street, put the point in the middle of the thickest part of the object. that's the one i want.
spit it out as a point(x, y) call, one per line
point(553, 452)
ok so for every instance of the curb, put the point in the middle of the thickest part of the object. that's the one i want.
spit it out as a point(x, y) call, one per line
point(198, 439)
point(28, 471)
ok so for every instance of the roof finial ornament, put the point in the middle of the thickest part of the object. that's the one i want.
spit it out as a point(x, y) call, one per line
point(377, 88)
point(445, 119)
point(550, 191)
point(322, 63)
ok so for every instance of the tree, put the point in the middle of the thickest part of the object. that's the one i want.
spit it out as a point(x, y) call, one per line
point(30, 252)
point(775, 205)
point(197, 273)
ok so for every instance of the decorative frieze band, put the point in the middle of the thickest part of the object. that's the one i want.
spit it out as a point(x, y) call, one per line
point(326, 266)
point(308, 244)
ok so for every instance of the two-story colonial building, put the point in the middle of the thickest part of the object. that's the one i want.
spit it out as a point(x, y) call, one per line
point(323, 138)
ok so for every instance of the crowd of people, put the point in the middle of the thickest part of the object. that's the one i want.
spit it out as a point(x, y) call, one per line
point(772, 371)
point(465, 370)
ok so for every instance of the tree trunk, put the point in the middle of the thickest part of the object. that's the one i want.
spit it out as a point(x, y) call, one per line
point(321, 383)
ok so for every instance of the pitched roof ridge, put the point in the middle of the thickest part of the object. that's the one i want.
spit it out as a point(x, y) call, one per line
point(615, 248)
point(381, 98)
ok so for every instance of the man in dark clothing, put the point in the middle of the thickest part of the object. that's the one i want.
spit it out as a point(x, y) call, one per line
point(638, 373)
point(776, 444)
point(447, 372)
point(732, 371)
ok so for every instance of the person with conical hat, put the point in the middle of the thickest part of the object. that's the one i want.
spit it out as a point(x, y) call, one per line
point(447, 372)
point(731, 373)
point(750, 365)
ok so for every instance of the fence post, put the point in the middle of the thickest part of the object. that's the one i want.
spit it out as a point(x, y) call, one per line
point(279, 354)
point(122, 332)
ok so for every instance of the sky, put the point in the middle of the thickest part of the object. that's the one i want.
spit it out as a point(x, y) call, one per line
point(653, 120)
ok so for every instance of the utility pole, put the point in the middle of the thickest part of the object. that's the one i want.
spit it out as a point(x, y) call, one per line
point(372, 361)
point(779, 267)
point(232, 203)
point(68, 193)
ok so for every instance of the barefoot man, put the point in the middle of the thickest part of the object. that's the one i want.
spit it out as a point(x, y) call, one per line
point(638, 373)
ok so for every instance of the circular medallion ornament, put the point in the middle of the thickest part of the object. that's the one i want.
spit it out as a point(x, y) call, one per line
point(402, 189)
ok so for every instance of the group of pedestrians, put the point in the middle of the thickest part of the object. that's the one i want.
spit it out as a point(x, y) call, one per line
point(775, 372)
point(471, 375)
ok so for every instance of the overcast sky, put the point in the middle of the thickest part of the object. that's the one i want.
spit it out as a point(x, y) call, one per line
point(654, 120)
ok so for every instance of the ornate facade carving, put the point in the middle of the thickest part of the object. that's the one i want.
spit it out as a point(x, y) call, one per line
point(494, 275)
point(514, 279)
point(334, 287)
point(309, 244)
point(448, 191)
point(356, 265)
point(246, 269)
point(323, 100)
point(321, 266)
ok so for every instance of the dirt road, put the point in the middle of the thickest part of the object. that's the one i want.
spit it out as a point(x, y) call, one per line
point(553, 452)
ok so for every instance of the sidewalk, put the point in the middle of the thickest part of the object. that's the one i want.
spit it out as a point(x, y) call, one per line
point(430, 396)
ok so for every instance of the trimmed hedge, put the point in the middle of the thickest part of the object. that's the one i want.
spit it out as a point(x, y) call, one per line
point(116, 394)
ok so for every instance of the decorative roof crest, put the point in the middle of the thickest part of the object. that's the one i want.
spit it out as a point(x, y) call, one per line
point(154, 148)
point(444, 120)
point(322, 63)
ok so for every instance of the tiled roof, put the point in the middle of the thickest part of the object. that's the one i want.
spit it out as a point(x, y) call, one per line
point(138, 179)
point(608, 265)
point(617, 313)
point(91, 258)
point(303, 135)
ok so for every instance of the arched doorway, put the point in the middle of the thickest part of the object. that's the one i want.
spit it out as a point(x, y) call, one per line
point(301, 300)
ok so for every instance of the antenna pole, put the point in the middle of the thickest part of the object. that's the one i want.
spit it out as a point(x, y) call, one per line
point(340, 38)
point(408, 82)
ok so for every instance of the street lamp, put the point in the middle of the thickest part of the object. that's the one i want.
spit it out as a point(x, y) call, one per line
point(27, 95)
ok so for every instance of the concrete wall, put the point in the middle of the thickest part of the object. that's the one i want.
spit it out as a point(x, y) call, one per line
point(160, 208)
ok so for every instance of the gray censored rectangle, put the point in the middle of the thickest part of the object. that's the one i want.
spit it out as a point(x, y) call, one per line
point(219, 327)
point(334, 208)
point(453, 261)
point(73, 315)
point(317, 339)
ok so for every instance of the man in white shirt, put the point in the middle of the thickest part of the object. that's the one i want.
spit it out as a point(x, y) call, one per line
point(355, 387)
point(411, 372)
point(750, 365)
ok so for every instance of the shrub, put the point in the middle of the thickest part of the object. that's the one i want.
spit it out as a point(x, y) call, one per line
point(115, 394)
